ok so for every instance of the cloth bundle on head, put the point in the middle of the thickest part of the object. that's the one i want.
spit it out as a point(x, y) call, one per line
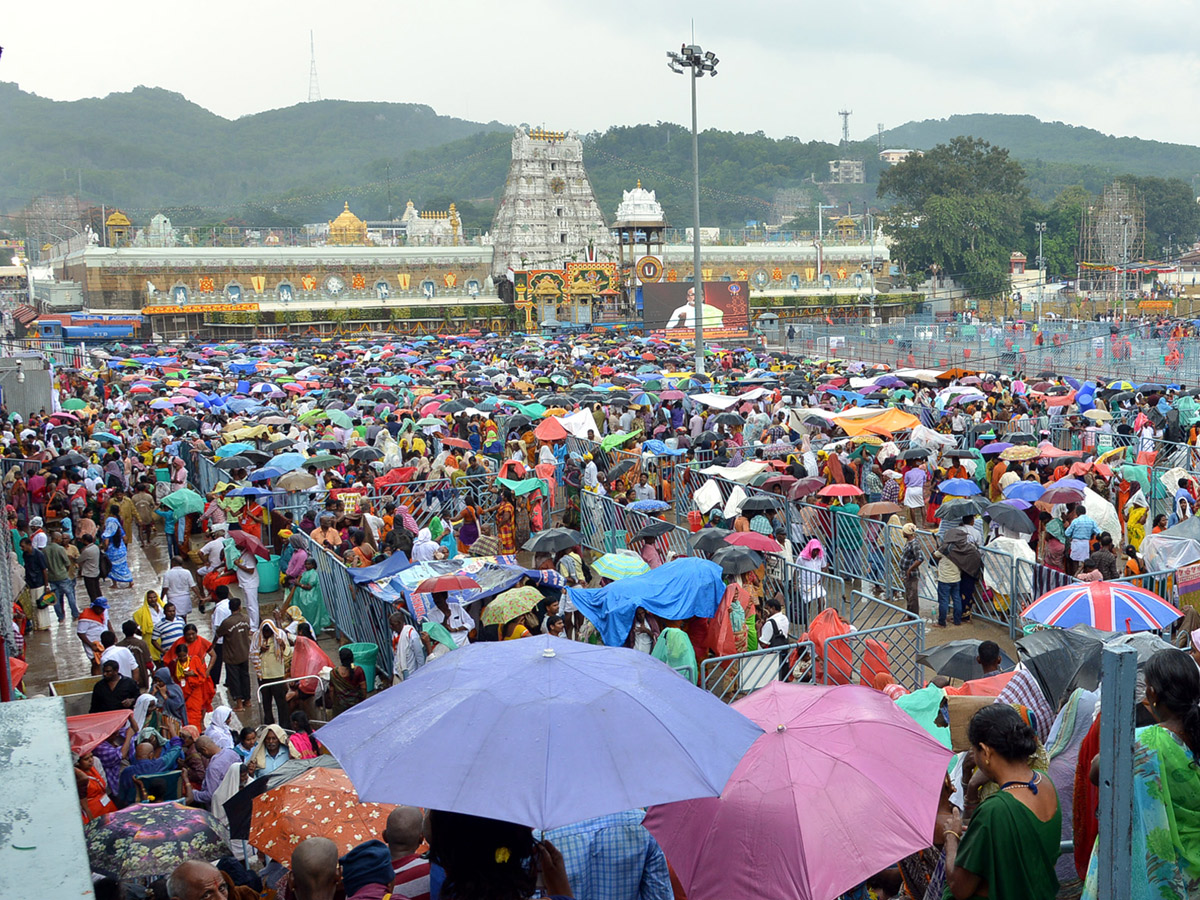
point(259, 755)
point(368, 863)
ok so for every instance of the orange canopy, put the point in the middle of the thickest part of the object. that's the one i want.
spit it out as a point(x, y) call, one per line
point(956, 372)
point(989, 686)
point(85, 732)
point(890, 420)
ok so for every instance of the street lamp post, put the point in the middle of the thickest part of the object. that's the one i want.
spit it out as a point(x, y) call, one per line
point(690, 56)
point(1040, 227)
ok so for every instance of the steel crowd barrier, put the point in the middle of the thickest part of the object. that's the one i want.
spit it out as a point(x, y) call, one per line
point(608, 526)
point(732, 677)
point(890, 647)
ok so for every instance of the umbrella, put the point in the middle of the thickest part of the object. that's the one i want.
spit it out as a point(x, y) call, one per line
point(995, 447)
point(619, 470)
point(958, 507)
point(1009, 517)
point(649, 506)
point(68, 459)
point(554, 539)
point(762, 503)
point(880, 508)
point(1061, 661)
point(652, 529)
point(957, 659)
point(453, 581)
point(239, 808)
point(805, 487)
point(183, 501)
point(1029, 491)
point(1054, 495)
point(959, 487)
point(247, 542)
point(737, 560)
point(230, 463)
point(916, 453)
point(150, 839)
point(85, 732)
point(1107, 605)
point(840, 490)
point(841, 785)
point(615, 566)
point(754, 541)
point(296, 481)
point(321, 802)
point(550, 709)
point(322, 461)
point(510, 604)
point(1020, 453)
point(709, 540)
point(369, 454)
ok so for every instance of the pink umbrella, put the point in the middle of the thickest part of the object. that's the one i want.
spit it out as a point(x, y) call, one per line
point(842, 784)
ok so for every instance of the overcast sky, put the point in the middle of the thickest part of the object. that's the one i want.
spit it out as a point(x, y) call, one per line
point(786, 68)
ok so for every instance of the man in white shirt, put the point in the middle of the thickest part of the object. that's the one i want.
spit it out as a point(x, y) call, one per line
point(219, 614)
point(247, 576)
point(38, 538)
point(213, 552)
point(122, 656)
point(626, 420)
point(456, 619)
point(178, 586)
point(643, 490)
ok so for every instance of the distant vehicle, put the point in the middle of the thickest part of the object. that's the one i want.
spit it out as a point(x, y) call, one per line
point(87, 334)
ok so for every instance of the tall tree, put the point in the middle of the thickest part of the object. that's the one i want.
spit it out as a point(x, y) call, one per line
point(957, 207)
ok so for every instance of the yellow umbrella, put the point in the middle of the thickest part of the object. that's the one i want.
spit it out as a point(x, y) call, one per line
point(1111, 454)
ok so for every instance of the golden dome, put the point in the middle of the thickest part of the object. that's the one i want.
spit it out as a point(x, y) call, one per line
point(118, 219)
point(347, 228)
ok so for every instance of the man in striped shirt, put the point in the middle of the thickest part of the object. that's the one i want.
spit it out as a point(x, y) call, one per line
point(168, 630)
point(404, 835)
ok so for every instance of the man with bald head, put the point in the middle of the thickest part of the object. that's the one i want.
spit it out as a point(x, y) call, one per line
point(196, 880)
point(219, 762)
point(404, 835)
point(314, 873)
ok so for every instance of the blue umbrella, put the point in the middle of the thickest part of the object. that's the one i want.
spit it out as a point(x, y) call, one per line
point(959, 487)
point(527, 718)
point(233, 449)
point(287, 462)
point(649, 506)
point(264, 474)
point(1029, 491)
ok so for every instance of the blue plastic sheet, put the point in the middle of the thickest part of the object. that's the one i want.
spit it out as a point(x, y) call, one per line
point(678, 590)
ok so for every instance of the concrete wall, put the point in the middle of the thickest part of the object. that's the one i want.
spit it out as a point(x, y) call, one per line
point(30, 394)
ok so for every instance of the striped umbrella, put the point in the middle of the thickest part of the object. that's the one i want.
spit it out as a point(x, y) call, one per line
point(1107, 605)
point(615, 566)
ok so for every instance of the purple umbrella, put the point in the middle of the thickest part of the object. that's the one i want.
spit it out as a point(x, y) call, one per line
point(542, 732)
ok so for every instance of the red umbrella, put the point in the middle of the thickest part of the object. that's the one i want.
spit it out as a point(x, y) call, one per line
point(754, 541)
point(249, 543)
point(85, 732)
point(839, 490)
point(456, 442)
point(446, 583)
point(550, 430)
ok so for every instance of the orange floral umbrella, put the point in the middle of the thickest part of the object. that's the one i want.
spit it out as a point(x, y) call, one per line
point(319, 803)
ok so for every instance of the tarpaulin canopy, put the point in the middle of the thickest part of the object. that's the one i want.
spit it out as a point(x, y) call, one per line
point(741, 474)
point(890, 420)
point(580, 423)
point(85, 732)
point(550, 429)
point(680, 589)
point(525, 486)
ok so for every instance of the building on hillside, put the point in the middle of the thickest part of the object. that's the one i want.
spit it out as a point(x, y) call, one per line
point(891, 157)
point(548, 214)
point(847, 171)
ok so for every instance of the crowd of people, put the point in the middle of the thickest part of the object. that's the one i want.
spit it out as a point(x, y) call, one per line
point(338, 457)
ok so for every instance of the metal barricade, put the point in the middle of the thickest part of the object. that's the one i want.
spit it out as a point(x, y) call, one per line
point(891, 648)
point(803, 591)
point(733, 677)
point(608, 526)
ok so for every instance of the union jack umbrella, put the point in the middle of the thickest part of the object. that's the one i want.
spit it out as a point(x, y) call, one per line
point(1107, 605)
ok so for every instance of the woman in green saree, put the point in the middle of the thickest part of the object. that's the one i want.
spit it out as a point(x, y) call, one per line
point(307, 597)
point(1166, 785)
point(1010, 847)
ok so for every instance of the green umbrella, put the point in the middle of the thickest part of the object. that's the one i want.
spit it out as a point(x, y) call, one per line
point(337, 417)
point(510, 604)
point(312, 415)
point(425, 421)
point(183, 501)
point(74, 403)
point(525, 486)
point(322, 461)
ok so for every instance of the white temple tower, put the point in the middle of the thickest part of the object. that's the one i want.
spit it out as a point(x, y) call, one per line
point(548, 213)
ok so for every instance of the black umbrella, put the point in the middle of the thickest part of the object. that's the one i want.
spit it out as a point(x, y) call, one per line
point(1062, 661)
point(653, 529)
point(69, 459)
point(620, 469)
point(553, 539)
point(735, 560)
point(709, 540)
point(915, 453)
point(1009, 517)
point(327, 445)
point(280, 445)
point(230, 463)
point(957, 659)
point(256, 456)
point(455, 406)
point(707, 437)
point(518, 423)
point(729, 419)
point(370, 454)
point(762, 503)
point(185, 422)
point(1020, 438)
point(958, 507)
point(960, 454)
